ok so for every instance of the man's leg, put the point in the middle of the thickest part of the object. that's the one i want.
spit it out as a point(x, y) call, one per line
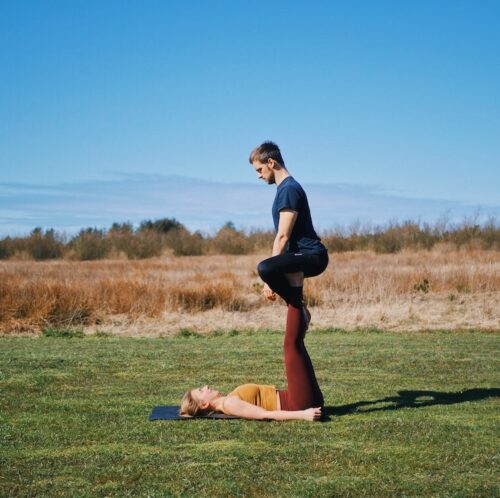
point(283, 272)
point(273, 270)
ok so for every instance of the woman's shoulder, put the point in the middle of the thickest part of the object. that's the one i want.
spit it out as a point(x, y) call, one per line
point(229, 401)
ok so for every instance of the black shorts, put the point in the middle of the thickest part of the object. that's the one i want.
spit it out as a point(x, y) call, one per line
point(291, 262)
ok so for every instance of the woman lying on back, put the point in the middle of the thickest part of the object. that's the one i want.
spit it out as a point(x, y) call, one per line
point(250, 401)
point(302, 401)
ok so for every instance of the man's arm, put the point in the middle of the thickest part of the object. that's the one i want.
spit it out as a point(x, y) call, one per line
point(285, 227)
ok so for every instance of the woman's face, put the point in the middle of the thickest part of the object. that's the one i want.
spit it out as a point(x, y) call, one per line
point(205, 395)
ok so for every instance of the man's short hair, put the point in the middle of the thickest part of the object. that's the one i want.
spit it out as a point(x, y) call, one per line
point(265, 151)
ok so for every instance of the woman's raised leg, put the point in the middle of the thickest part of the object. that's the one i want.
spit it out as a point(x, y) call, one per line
point(303, 389)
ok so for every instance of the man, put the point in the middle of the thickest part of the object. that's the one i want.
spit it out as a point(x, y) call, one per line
point(297, 250)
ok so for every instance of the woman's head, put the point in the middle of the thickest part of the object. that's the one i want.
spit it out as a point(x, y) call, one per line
point(198, 401)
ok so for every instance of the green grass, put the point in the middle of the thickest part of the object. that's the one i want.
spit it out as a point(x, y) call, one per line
point(410, 415)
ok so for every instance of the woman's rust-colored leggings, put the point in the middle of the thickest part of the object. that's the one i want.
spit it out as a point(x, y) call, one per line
point(303, 389)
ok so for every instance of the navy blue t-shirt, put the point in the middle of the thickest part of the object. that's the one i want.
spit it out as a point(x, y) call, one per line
point(290, 195)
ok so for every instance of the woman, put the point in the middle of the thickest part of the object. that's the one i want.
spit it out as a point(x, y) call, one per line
point(301, 401)
point(297, 250)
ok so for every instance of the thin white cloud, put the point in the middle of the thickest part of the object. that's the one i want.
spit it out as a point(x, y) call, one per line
point(203, 205)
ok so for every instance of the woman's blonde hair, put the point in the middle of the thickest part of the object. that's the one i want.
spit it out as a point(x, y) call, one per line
point(189, 406)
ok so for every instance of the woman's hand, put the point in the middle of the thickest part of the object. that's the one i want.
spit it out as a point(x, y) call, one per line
point(312, 414)
point(269, 293)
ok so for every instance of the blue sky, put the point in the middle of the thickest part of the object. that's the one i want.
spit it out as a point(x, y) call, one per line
point(395, 97)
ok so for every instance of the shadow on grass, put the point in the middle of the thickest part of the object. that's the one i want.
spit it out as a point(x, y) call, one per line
point(411, 399)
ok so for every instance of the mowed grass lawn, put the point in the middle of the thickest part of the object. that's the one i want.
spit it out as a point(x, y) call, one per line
point(411, 414)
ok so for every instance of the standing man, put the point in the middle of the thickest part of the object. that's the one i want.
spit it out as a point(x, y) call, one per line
point(297, 250)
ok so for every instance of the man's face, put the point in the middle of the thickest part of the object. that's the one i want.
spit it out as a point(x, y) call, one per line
point(265, 171)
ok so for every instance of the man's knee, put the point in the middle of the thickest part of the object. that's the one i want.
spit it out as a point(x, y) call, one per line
point(264, 270)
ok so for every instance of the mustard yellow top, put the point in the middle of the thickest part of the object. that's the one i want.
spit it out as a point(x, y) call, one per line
point(259, 395)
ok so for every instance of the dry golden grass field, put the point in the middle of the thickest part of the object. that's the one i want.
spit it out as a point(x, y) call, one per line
point(439, 289)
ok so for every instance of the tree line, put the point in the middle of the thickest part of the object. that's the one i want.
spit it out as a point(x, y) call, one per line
point(168, 236)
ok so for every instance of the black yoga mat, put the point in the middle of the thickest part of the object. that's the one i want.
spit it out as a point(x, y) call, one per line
point(172, 413)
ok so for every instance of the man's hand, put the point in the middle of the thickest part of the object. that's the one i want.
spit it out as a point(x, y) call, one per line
point(269, 293)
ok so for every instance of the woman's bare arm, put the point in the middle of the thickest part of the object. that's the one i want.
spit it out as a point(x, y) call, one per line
point(235, 406)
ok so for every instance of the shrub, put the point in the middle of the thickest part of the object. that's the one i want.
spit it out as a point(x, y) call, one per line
point(6, 248)
point(153, 237)
point(259, 241)
point(387, 240)
point(42, 245)
point(90, 243)
point(145, 244)
point(465, 234)
point(490, 234)
point(184, 243)
point(163, 225)
point(228, 240)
